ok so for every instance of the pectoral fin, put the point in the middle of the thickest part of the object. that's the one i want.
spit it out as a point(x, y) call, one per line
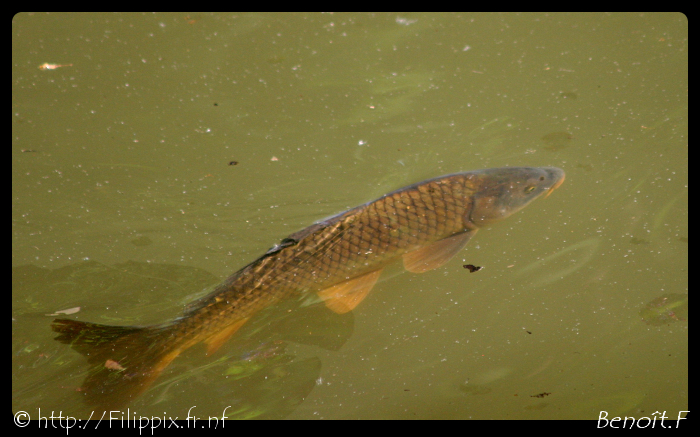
point(345, 296)
point(436, 254)
point(215, 341)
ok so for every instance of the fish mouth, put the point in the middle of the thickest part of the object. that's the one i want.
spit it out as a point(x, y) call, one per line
point(559, 175)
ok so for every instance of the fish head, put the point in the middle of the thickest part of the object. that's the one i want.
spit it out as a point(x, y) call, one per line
point(501, 192)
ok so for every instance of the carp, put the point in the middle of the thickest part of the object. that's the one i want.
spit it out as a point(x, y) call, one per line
point(340, 258)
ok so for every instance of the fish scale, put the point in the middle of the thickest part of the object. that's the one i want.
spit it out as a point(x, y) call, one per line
point(370, 234)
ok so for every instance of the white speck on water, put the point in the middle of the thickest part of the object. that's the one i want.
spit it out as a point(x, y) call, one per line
point(405, 21)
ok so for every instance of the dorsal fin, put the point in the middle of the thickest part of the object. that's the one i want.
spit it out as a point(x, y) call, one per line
point(345, 296)
point(436, 254)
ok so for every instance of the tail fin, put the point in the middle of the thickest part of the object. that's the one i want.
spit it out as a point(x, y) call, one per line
point(125, 359)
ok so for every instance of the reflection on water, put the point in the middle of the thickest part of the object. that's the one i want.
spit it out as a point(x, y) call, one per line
point(574, 257)
point(665, 310)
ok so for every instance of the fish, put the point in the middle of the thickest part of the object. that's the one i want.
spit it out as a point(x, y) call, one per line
point(340, 259)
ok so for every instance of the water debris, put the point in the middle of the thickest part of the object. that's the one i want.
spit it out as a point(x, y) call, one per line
point(47, 66)
point(472, 268)
point(568, 96)
point(405, 21)
point(541, 395)
point(113, 365)
point(665, 310)
point(66, 312)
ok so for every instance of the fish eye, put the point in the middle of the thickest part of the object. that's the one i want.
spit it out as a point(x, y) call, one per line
point(529, 189)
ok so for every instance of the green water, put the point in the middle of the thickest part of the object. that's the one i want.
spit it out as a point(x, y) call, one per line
point(122, 159)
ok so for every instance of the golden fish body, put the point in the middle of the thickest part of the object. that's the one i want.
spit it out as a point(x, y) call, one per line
point(340, 258)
